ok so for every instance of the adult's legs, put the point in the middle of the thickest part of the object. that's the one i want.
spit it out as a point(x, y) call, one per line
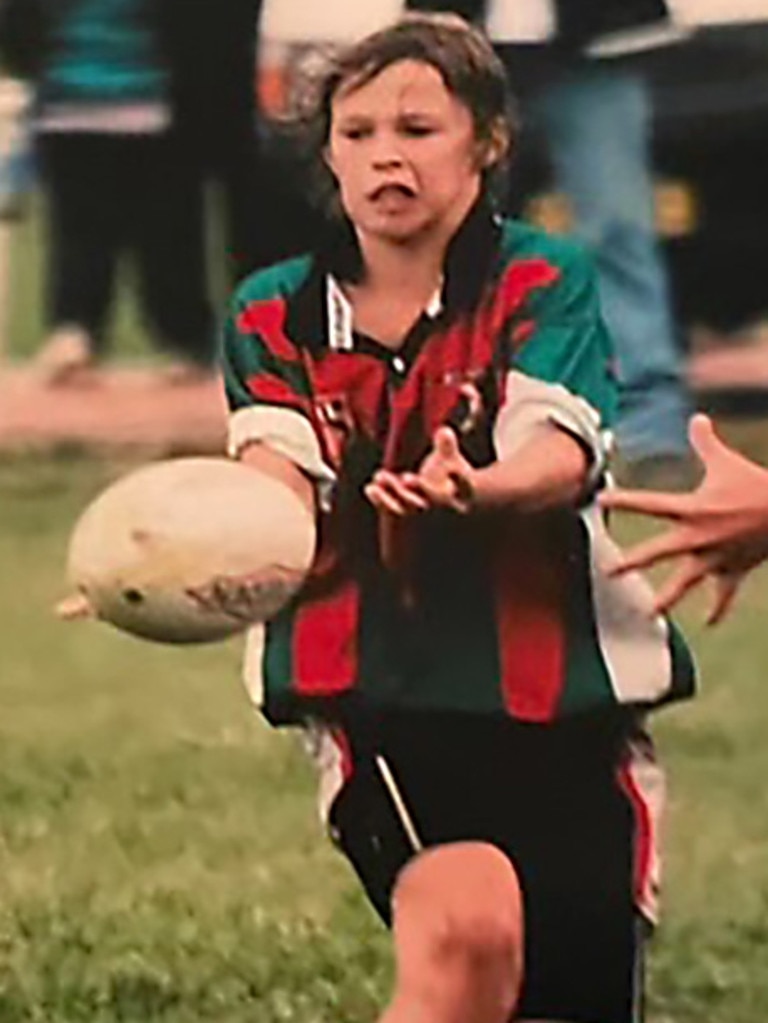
point(597, 123)
point(83, 203)
point(17, 165)
point(168, 233)
point(268, 215)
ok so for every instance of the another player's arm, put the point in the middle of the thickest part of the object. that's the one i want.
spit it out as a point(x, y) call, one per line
point(718, 532)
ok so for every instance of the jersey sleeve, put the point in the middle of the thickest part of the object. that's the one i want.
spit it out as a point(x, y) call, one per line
point(559, 363)
point(267, 389)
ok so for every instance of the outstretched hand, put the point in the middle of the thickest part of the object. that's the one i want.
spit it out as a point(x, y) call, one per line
point(444, 480)
point(719, 531)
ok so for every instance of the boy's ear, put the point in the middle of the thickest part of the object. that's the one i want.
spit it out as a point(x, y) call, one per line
point(328, 159)
point(495, 147)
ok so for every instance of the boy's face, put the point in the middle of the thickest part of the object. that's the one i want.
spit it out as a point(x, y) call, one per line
point(404, 153)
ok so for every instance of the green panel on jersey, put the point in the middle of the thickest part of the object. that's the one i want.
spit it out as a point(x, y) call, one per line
point(278, 657)
point(444, 651)
point(683, 668)
point(587, 682)
point(246, 355)
point(279, 281)
point(570, 344)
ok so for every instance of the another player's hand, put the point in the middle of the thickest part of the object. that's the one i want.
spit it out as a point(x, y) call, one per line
point(444, 480)
point(720, 530)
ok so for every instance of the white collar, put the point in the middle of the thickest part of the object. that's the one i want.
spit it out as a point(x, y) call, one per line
point(339, 314)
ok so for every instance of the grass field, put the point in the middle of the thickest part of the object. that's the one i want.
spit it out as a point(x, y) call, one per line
point(160, 858)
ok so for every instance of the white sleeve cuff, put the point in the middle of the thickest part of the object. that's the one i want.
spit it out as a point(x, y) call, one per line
point(287, 433)
point(530, 404)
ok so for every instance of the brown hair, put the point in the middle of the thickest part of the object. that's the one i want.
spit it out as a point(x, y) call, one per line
point(461, 53)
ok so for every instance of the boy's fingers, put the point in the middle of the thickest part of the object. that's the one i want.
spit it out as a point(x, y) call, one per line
point(407, 492)
point(381, 498)
point(446, 443)
point(454, 492)
point(398, 496)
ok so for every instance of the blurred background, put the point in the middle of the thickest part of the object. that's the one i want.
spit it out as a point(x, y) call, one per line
point(229, 83)
point(160, 858)
point(709, 108)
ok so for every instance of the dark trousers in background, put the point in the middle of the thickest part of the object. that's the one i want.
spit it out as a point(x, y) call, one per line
point(267, 213)
point(135, 195)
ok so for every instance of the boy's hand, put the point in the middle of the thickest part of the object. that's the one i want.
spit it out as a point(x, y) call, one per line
point(444, 480)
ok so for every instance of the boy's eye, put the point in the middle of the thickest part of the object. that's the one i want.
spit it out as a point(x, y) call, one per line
point(416, 130)
point(355, 132)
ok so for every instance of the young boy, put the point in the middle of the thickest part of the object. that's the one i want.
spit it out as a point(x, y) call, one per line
point(436, 384)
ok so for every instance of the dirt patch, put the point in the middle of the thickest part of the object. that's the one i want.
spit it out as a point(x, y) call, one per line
point(139, 407)
point(119, 407)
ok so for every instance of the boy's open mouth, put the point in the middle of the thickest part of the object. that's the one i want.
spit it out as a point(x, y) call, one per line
point(393, 189)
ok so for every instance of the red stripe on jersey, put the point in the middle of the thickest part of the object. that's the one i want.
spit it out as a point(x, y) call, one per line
point(463, 353)
point(644, 833)
point(522, 331)
point(343, 745)
point(325, 643)
point(518, 281)
point(267, 319)
point(431, 390)
point(274, 391)
point(530, 590)
point(357, 381)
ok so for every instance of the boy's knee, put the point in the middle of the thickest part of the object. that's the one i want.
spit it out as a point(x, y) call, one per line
point(458, 920)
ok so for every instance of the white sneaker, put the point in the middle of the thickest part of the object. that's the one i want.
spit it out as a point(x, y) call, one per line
point(65, 358)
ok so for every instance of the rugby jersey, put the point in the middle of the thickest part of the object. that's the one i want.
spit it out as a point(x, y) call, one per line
point(492, 612)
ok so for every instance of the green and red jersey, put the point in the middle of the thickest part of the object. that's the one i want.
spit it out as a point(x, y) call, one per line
point(492, 612)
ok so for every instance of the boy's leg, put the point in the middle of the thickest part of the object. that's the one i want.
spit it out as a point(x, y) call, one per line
point(461, 936)
point(458, 931)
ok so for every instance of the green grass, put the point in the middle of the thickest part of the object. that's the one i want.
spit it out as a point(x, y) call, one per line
point(160, 856)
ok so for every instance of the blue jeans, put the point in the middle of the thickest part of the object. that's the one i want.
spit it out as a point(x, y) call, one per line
point(596, 122)
point(17, 170)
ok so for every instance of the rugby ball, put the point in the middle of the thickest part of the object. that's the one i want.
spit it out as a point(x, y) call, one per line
point(190, 550)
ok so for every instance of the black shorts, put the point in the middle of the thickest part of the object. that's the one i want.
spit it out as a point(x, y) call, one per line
point(547, 796)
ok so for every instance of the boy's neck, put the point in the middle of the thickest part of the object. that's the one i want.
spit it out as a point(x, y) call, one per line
point(410, 268)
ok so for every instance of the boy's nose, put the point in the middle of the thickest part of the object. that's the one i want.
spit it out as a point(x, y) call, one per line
point(386, 153)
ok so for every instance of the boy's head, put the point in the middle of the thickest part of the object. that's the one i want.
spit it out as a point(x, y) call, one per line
point(412, 118)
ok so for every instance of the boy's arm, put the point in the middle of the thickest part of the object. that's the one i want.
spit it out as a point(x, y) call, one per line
point(270, 426)
point(259, 456)
point(551, 468)
point(550, 435)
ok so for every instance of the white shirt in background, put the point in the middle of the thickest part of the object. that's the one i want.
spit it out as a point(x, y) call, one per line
point(326, 21)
